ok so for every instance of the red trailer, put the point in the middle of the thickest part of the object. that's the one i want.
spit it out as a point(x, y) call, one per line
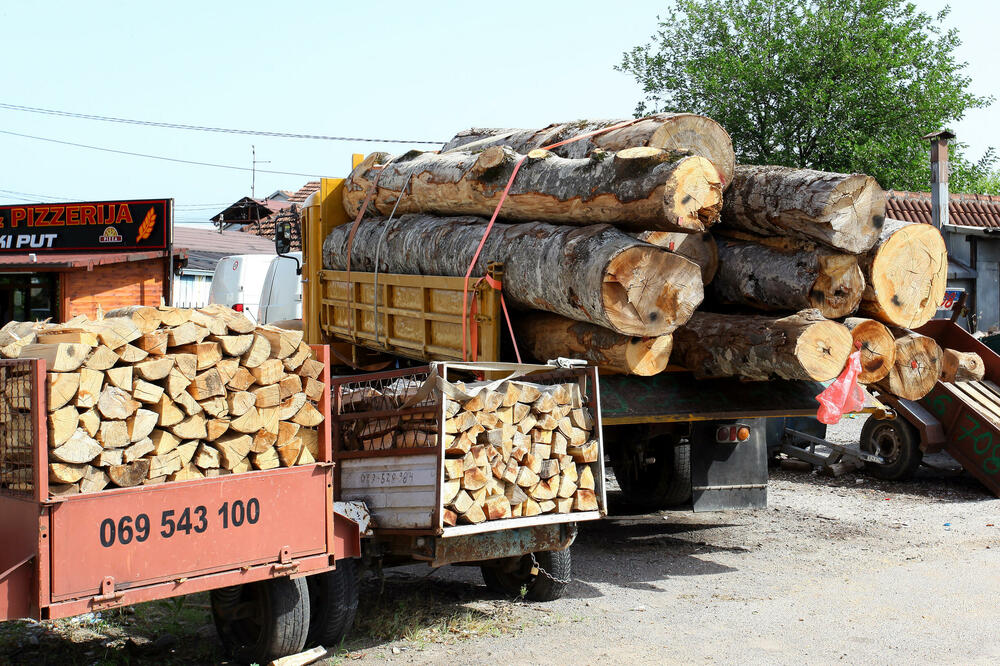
point(263, 542)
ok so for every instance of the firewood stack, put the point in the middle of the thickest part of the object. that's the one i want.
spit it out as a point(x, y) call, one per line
point(610, 245)
point(148, 395)
point(519, 451)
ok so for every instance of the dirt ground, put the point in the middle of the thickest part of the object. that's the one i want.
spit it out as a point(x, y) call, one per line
point(846, 569)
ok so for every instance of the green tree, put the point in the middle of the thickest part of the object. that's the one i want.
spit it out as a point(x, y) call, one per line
point(838, 85)
point(979, 177)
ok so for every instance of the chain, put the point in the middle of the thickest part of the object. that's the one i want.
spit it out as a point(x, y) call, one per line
point(536, 565)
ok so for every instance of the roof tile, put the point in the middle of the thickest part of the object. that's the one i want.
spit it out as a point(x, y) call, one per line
point(966, 210)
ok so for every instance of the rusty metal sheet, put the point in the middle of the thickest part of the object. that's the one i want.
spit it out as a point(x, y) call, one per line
point(503, 543)
point(179, 530)
point(401, 491)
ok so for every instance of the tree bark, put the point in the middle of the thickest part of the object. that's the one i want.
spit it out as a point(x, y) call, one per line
point(917, 366)
point(679, 132)
point(768, 278)
point(843, 211)
point(906, 273)
point(595, 274)
point(699, 248)
point(636, 188)
point(799, 346)
point(878, 348)
point(548, 336)
point(959, 366)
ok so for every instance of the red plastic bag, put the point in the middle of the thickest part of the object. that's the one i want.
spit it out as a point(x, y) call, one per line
point(844, 394)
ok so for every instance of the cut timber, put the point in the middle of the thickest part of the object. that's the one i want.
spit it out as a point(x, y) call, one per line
point(192, 427)
point(768, 278)
point(58, 357)
point(260, 351)
point(155, 369)
point(269, 372)
point(120, 377)
point(234, 345)
point(102, 358)
point(79, 448)
point(799, 346)
point(679, 132)
point(917, 366)
point(549, 336)
point(206, 385)
point(905, 274)
point(66, 472)
point(959, 366)
point(207, 353)
point(283, 342)
point(699, 248)
point(595, 273)
point(62, 388)
point(878, 348)
point(154, 342)
point(89, 390)
point(171, 316)
point(146, 319)
point(235, 321)
point(131, 354)
point(638, 188)
point(115, 403)
point(141, 424)
point(843, 211)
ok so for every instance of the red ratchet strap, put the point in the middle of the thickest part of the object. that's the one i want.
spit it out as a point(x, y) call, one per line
point(474, 310)
point(372, 188)
point(486, 234)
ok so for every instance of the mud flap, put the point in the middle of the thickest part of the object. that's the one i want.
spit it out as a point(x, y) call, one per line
point(728, 476)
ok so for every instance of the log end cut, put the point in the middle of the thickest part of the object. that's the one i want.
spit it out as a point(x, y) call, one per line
point(823, 348)
point(878, 348)
point(700, 136)
point(650, 292)
point(917, 367)
point(907, 276)
point(693, 194)
point(838, 287)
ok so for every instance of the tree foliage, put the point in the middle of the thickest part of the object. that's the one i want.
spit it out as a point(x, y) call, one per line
point(979, 177)
point(838, 85)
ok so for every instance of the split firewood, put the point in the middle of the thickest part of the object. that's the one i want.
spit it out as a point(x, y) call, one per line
point(207, 353)
point(113, 434)
point(638, 187)
point(164, 465)
point(260, 351)
point(216, 407)
point(155, 369)
point(109, 457)
point(79, 448)
point(284, 342)
point(186, 334)
point(62, 424)
point(172, 316)
point(186, 364)
point(233, 345)
point(90, 384)
point(308, 416)
point(66, 472)
point(292, 384)
point(188, 403)
point(240, 401)
point(131, 354)
point(74, 336)
point(678, 132)
point(102, 358)
point(90, 421)
point(163, 441)
point(227, 368)
point(216, 428)
point(268, 372)
point(146, 392)
point(906, 273)
point(137, 450)
point(146, 319)
point(62, 387)
point(602, 275)
point(311, 368)
point(94, 479)
point(120, 377)
point(266, 396)
point(295, 361)
point(959, 366)
point(216, 325)
point(192, 427)
point(249, 422)
point(206, 385)
point(186, 473)
point(141, 424)
point(59, 357)
point(154, 342)
point(265, 460)
point(235, 321)
point(167, 412)
point(206, 457)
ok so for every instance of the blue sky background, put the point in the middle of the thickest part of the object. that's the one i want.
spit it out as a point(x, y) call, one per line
point(408, 70)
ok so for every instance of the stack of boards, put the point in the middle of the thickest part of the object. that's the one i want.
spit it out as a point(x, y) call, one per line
point(515, 450)
point(646, 246)
point(149, 395)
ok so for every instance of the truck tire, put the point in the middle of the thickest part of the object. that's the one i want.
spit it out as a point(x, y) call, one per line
point(513, 577)
point(660, 484)
point(897, 442)
point(333, 603)
point(260, 622)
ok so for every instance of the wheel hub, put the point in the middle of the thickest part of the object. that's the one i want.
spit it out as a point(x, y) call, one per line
point(887, 443)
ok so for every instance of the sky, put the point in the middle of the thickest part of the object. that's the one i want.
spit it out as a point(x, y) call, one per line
point(387, 70)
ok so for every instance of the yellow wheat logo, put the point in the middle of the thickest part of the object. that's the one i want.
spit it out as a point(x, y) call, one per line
point(146, 228)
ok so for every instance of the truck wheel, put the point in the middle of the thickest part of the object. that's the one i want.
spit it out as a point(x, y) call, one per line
point(656, 477)
point(333, 603)
point(262, 621)
point(897, 442)
point(513, 577)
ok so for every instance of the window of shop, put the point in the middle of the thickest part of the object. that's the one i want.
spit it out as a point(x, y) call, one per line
point(27, 297)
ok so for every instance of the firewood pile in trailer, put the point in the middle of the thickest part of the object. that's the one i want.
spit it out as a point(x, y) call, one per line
point(641, 247)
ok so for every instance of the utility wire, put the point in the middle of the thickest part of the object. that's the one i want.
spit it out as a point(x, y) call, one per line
point(201, 128)
point(159, 157)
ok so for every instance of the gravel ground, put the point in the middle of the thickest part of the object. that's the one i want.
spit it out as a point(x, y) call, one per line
point(849, 570)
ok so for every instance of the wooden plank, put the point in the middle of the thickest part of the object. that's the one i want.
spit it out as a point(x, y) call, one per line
point(977, 403)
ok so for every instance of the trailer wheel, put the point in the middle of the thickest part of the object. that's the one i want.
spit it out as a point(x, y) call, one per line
point(656, 476)
point(512, 577)
point(897, 442)
point(262, 621)
point(333, 603)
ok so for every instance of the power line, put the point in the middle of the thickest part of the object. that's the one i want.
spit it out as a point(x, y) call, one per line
point(201, 128)
point(158, 157)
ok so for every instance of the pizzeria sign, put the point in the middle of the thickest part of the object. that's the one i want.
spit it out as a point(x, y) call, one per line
point(93, 226)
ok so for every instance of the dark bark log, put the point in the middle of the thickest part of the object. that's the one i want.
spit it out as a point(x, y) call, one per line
point(843, 211)
point(681, 132)
point(905, 274)
point(549, 336)
point(769, 278)
point(595, 273)
point(636, 188)
point(699, 248)
point(878, 348)
point(800, 346)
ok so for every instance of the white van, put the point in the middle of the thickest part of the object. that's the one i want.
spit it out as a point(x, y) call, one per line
point(238, 281)
point(281, 296)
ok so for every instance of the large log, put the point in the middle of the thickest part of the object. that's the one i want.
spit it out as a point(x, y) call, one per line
point(680, 132)
point(906, 273)
point(844, 211)
point(636, 188)
point(549, 336)
point(917, 366)
point(768, 278)
point(799, 346)
point(595, 274)
point(878, 348)
point(957, 366)
point(699, 248)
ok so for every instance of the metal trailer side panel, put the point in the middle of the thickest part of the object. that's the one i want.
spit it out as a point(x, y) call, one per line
point(400, 491)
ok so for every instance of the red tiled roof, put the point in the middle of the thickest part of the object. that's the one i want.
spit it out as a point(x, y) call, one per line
point(265, 227)
point(303, 192)
point(965, 210)
point(79, 260)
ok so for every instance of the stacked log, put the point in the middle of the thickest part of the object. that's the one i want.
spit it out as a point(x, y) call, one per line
point(916, 368)
point(520, 451)
point(152, 395)
point(957, 366)
point(877, 346)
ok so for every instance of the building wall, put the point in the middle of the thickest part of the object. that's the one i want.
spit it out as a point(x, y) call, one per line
point(113, 286)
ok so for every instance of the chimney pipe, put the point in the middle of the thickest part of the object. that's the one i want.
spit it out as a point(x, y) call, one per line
point(939, 176)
